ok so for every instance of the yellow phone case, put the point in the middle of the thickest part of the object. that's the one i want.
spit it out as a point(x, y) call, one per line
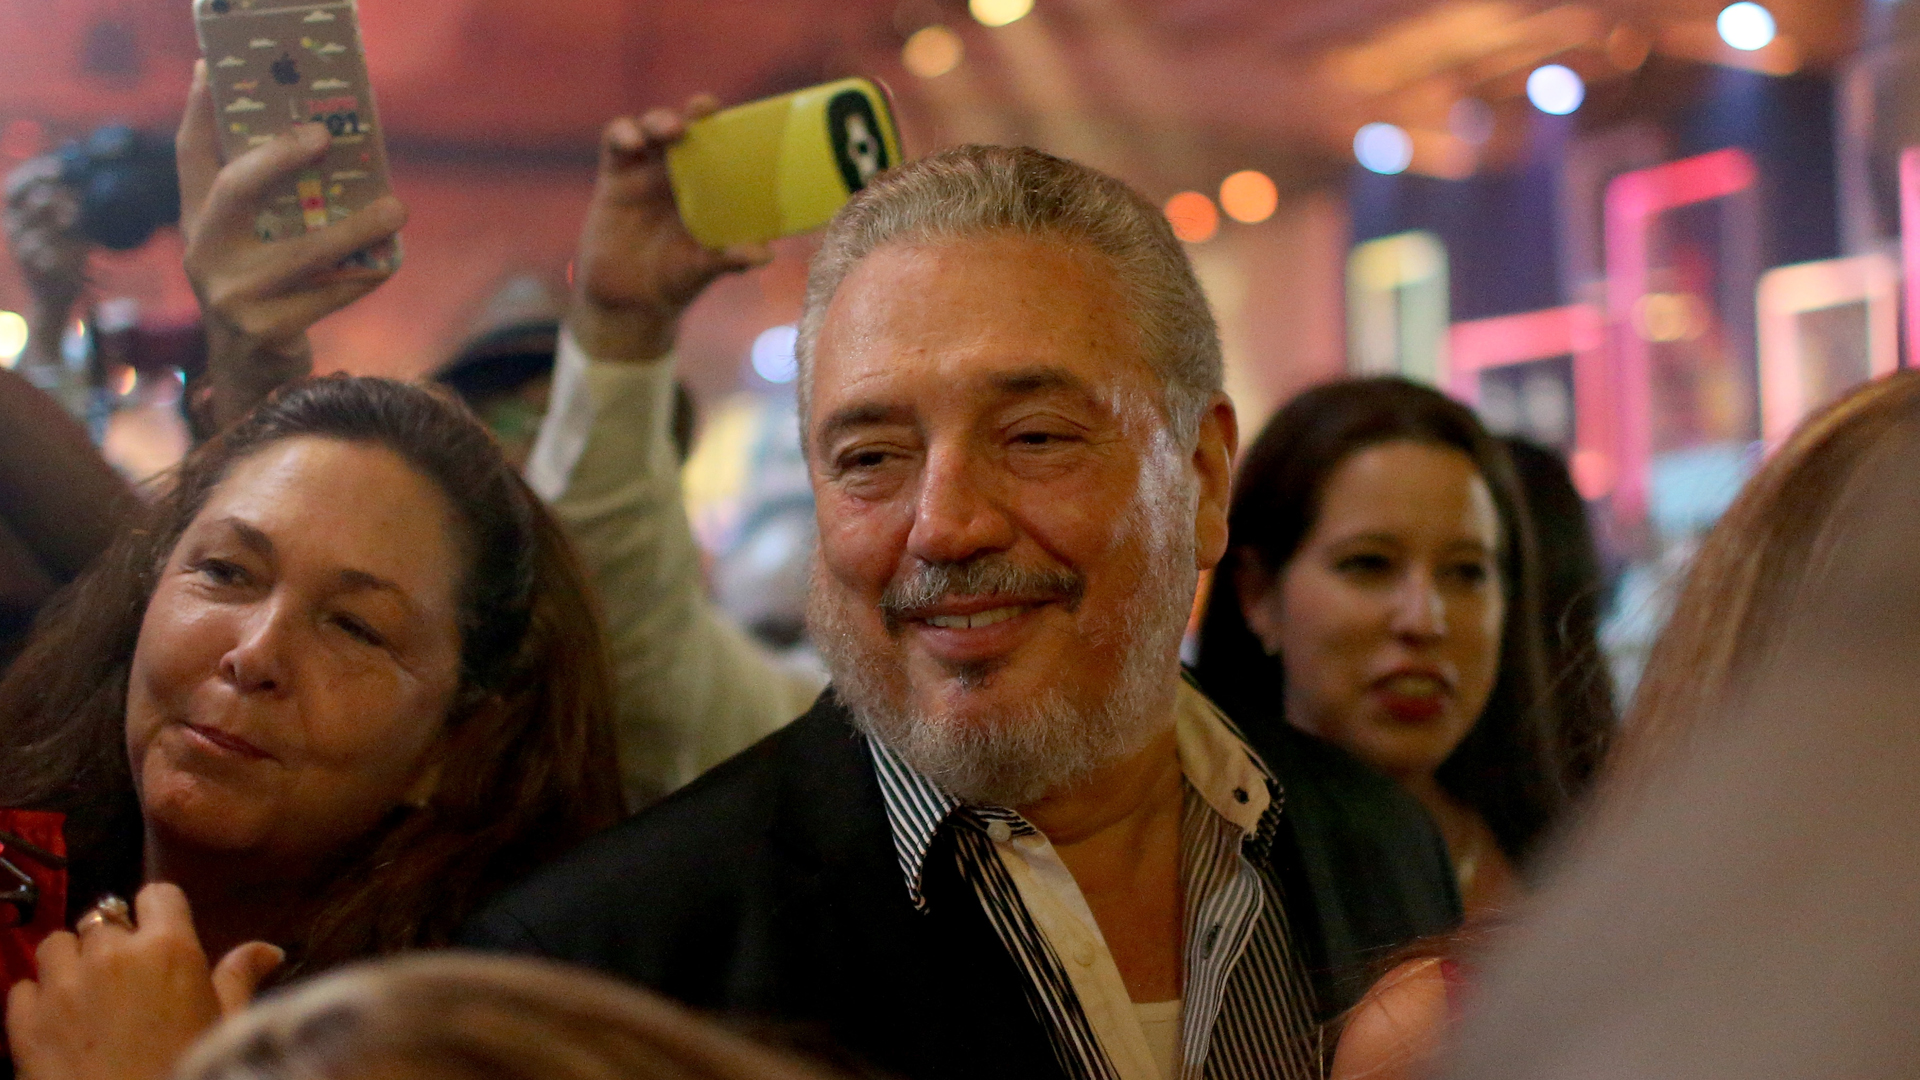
point(781, 166)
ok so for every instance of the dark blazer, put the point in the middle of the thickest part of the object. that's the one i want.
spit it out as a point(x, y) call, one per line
point(770, 887)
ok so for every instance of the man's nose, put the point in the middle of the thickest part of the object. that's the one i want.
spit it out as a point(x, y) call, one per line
point(959, 513)
point(1419, 611)
point(258, 661)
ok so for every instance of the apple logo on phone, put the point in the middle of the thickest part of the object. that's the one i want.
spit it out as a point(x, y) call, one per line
point(858, 147)
point(285, 71)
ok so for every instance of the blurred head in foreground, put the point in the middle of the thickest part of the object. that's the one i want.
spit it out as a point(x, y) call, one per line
point(450, 1016)
point(1752, 569)
point(1740, 901)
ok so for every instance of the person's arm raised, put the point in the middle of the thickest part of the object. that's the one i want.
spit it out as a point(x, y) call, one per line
point(638, 269)
point(259, 297)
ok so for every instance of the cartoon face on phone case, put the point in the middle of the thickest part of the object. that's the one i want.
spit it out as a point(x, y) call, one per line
point(273, 65)
point(781, 166)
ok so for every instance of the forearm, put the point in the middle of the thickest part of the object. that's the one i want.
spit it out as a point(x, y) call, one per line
point(57, 494)
point(693, 689)
point(242, 371)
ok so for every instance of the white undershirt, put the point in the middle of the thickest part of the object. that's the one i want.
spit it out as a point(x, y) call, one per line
point(1160, 1023)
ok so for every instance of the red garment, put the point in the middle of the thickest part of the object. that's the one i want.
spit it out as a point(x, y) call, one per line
point(17, 943)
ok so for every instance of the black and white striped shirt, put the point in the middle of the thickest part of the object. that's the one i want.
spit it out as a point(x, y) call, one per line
point(1246, 1010)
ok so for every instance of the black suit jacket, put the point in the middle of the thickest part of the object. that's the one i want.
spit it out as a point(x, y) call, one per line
point(770, 887)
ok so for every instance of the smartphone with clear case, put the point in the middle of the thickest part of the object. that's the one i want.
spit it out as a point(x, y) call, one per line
point(275, 64)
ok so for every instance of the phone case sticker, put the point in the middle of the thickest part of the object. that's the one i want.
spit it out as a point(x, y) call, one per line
point(282, 64)
point(858, 147)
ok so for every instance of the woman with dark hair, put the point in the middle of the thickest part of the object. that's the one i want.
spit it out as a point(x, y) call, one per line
point(1570, 594)
point(340, 685)
point(1380, 591)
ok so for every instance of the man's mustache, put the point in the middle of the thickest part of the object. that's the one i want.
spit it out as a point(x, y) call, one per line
point(928, 584)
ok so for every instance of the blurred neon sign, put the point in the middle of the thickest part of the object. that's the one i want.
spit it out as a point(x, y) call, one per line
point(1397, 307)
point(1576, 330)
point(1618, 412)
point(1802, 368)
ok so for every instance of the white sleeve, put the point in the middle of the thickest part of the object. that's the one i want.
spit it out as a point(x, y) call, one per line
point(693, 689)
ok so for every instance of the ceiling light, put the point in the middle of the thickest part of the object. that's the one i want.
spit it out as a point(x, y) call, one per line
point(1383, 148)
point(13, 337)
point(1555, 89)
point(1193, 217)
point(1471, 120)
point(999, 12)
point(1746, 26)
point(1249, 197)
point(773, 358)
point(932, 51)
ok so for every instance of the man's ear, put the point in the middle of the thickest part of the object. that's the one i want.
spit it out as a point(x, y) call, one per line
point(1213, 456)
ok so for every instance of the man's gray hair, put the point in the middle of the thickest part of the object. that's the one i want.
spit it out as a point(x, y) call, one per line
point(969, 190)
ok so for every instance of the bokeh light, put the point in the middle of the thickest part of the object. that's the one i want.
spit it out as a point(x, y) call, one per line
point(1249, 196)
point(1383, 148)
point(1746, 26)
point(999, 12)
point(1471, 121)
point(932, 51)
point(1194, 217)
point(1555, 90)
point(773, 358)
point(13, 337)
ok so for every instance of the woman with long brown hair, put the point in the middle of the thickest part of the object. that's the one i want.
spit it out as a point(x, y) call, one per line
point(1381, 592)
point(340, 685)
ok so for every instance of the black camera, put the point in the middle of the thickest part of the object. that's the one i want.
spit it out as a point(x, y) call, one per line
point(127, 184)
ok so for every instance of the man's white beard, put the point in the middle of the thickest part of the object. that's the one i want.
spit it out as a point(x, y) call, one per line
point(1035, 747)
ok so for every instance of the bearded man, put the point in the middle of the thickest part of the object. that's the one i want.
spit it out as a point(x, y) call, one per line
point(1010, 839)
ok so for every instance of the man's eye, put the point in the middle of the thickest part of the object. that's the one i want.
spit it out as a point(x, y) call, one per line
point(1037, 438)
point(863, 459)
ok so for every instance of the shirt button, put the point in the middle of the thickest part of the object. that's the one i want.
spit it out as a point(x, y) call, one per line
point(1240, 795)
point(1083, 953)
point(999, 831)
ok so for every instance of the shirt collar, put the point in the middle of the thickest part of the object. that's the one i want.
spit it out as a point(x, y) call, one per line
point(1216, 759)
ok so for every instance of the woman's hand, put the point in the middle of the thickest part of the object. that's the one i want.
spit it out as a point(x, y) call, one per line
point(114, 1003)
point(259, 297)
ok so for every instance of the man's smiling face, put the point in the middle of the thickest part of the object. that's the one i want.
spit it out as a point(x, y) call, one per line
point(1006, 523)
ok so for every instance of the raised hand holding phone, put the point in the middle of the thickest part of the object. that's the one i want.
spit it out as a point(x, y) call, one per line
point(638, 268)
point(259, 297)
point(783, 165)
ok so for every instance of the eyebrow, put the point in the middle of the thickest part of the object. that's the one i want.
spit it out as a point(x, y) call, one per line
point(859, 415)
point(361, 581)
point(255, 540)
point(1391, 540)
point(350, 580)
point(1039, 380)
point(1021, 382)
